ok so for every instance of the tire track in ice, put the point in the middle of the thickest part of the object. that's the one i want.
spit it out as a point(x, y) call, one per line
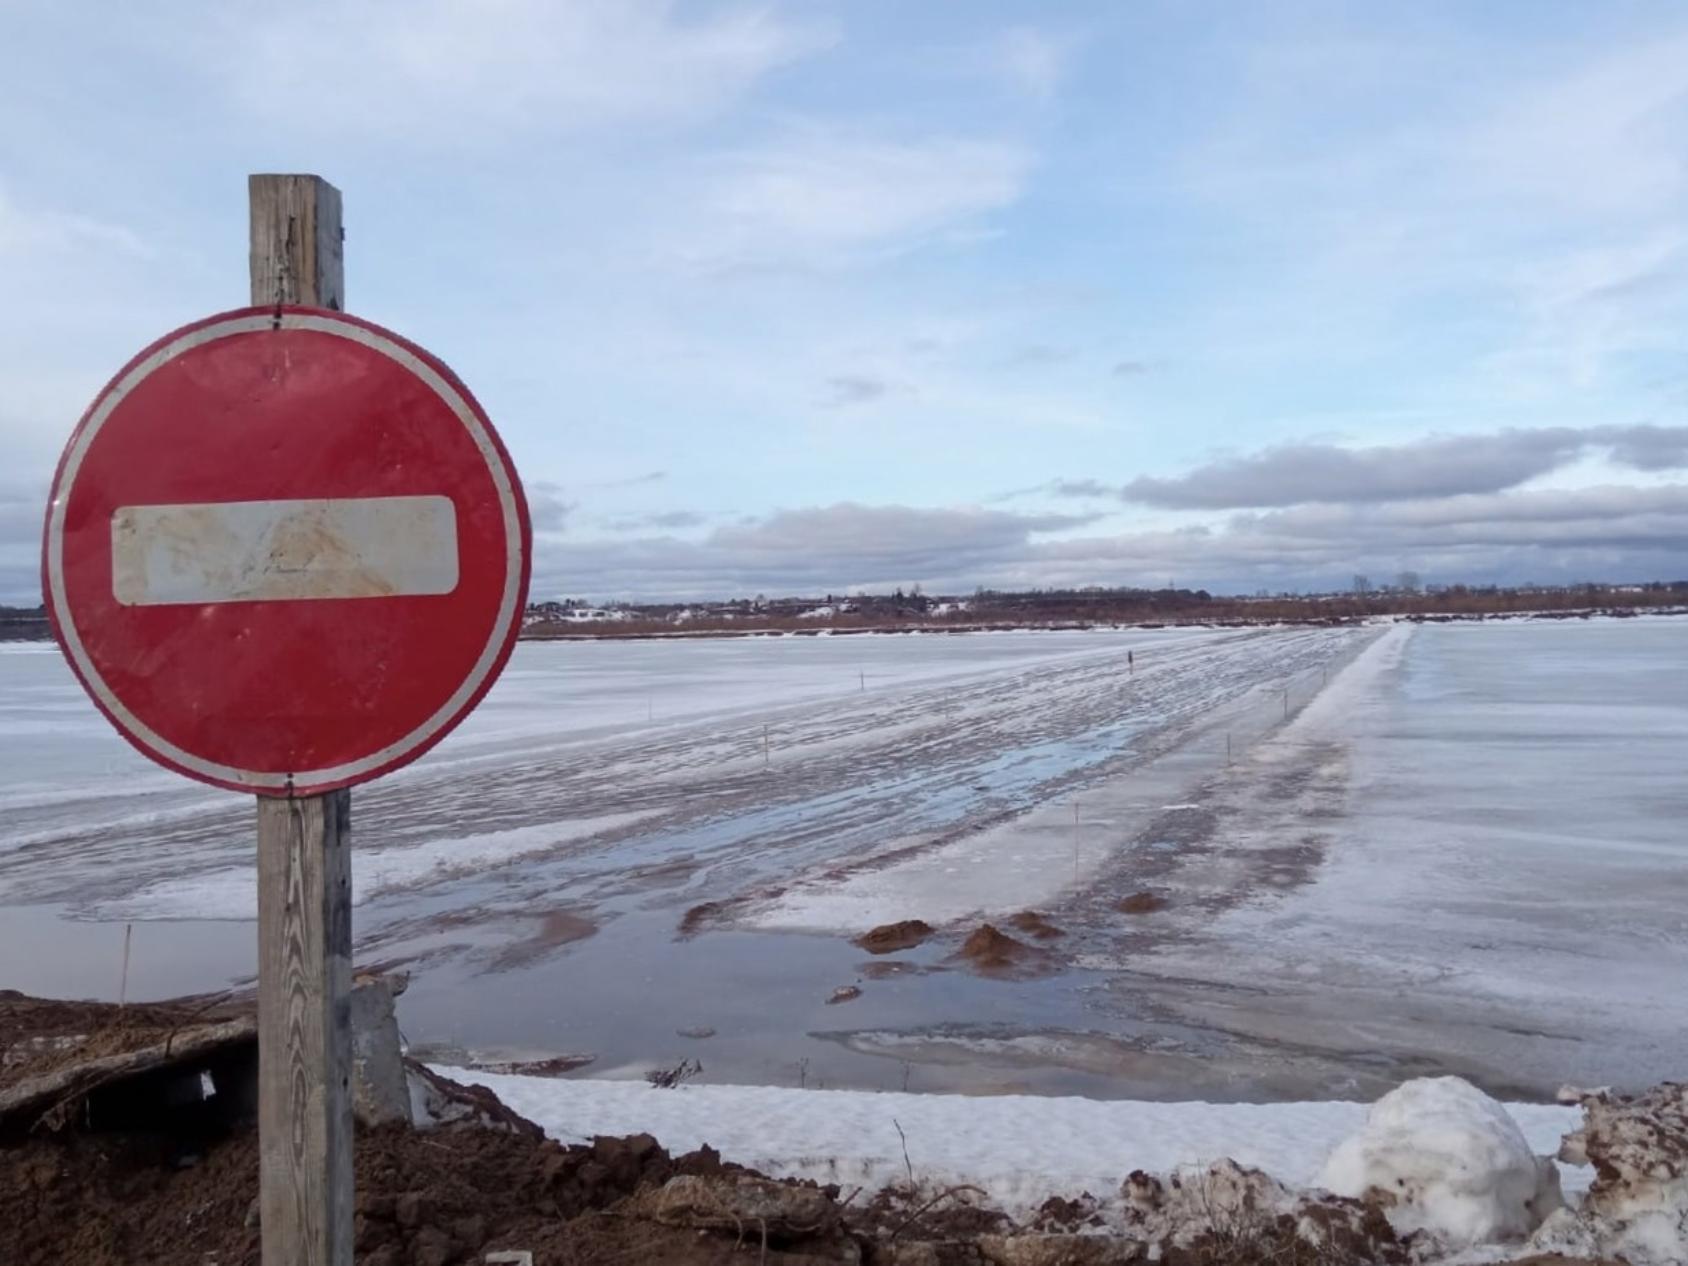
point(841, 778)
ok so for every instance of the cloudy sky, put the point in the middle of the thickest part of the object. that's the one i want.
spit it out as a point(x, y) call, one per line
point(810, 296)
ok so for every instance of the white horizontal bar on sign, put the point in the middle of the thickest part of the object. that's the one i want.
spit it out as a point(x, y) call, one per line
point(283, 551)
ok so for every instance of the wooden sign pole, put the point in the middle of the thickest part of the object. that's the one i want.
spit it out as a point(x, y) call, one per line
point(304, 863)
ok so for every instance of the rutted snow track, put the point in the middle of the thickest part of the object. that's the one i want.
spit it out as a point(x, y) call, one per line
point(799, 779)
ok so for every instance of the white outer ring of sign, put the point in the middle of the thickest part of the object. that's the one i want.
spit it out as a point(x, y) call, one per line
point(489, 454)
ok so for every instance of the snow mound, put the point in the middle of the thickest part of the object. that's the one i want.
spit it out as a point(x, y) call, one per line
point(1637, 1207)
point(1443, 1158)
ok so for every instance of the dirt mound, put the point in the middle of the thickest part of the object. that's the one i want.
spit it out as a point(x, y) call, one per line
point(1141, 903)
point(888, 938)
point(439, 1197)
point(143, 1179)
point(992, 952)
point(1034, 924)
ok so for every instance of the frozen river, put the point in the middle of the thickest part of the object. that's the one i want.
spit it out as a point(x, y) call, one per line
point(1380, 852)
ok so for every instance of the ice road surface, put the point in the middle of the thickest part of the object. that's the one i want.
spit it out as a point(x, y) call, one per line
point(1503, 884)
point(1376, 853)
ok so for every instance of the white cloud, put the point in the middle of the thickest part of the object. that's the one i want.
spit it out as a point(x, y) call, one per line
point(1032, 61)
point(1432, 467)
point(1605, 533)
point(1524, 517)
point(1608, 533)
point(1604, 137)
point(427, 70)
point(1586, 307)
point(27, 231)
point(1513, 186)
point(822, 195)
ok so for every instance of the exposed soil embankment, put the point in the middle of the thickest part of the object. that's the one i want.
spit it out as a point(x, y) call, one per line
point(134, 1176)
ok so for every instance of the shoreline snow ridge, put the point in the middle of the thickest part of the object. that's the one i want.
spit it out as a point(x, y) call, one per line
point(1453, 1170)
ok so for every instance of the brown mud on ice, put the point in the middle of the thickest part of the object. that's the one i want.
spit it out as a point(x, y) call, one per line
point(550, 931)
point(991, 952)
point(1035, 925)
point(888, 938)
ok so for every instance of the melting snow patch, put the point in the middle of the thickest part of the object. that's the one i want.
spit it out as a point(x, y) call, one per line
point(1444, 1158)
point(1021, 1149)
point(1637, 1208)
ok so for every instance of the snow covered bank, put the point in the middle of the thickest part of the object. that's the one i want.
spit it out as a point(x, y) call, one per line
point(1459, 1177)
point(1021, 1149)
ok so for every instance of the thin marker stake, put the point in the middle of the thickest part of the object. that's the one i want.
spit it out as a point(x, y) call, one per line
point(123, 983)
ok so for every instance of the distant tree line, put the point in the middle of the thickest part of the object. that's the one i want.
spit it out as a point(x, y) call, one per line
point(24, 624)
point(1080, 607)
point(1408, 596)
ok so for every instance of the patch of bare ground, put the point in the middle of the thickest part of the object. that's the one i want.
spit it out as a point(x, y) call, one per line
point(430, 1199)
point(889, 938)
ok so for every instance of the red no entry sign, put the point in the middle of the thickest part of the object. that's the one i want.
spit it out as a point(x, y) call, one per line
point(285, 551)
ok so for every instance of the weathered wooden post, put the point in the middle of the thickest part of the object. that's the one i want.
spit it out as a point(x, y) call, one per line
point(304, 861)
point(304, 1028)
point(297, 244)
point(307, 534)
